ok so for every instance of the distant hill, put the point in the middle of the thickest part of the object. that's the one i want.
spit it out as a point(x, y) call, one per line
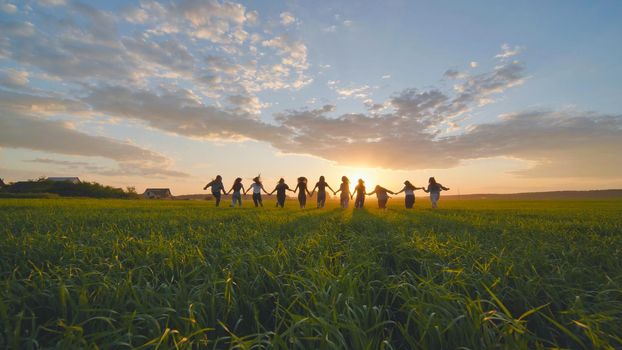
point(553, 195)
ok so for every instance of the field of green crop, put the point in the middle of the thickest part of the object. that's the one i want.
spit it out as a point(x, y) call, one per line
point(80, 273)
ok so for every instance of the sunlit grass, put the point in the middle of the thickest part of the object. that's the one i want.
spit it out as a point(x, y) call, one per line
point(182, 274)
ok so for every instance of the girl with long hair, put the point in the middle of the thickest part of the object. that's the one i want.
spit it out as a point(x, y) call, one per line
point(302, 195)
point(321, 192)
point(237, 189)
point(257, 187)
point(409, 191)
point(360, 194)
point(434, 188)
point(217, 187)
point(344, 188)
point(280, 189)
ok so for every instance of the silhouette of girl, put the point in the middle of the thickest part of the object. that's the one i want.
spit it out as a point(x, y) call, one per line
point(302, 195)
point(360, 194)
point(434, 188)
point(257, 187)
point(381, 194)
point(409, 191)
point(280, 189)
point(344, 188)
point(321, 192)
point(217, 187)
point(237, 188)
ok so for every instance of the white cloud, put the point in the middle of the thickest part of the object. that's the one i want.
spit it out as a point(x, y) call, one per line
point(473, 64)
point(8, 8)
point(348, 23)
point(386, 76)
point(507, 51)
point(360, 92)
point(330, 29)
point(287, 18)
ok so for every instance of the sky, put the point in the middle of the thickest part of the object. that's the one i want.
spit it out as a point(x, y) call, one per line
point(487, 96)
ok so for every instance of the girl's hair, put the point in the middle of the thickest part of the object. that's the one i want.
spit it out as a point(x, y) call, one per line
point(345, 179)
point(408, 184)
point(281, 180)
point(361, 181)
point(322, 178)
point(238, 180)
point(432, 180)
point(218, 177)
point(257, 179)
point(378, 187)
point(302, 179)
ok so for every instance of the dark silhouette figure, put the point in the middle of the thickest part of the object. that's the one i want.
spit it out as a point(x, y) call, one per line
point(237, 189)
point(344, 188)
point(409, 191)
point(321, 192)
point(257, 187)
point(382, 195)
point(217, 188)
point(302, 195)
point(434, 188)
point(359, 190)
point(280, 189)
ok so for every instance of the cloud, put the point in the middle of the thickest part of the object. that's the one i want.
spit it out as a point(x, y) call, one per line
point(386, 76)
point(560, 144)
point(361, 92)
point(473, 64)
point(287, 18)
point(507, 51)
point(23, 125)
point(180, 112)
point(12, 78)
point(8, 8)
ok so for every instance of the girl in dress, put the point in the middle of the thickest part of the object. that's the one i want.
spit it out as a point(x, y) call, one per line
point(344, 188)
point(302, 195)
point(360, 194)
point(321, 192)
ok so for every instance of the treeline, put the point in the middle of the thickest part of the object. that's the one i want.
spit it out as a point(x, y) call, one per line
point(44, 189)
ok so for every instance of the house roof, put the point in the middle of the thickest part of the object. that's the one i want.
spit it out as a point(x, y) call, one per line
point(158, 190)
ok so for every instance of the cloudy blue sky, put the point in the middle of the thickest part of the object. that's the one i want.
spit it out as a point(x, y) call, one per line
point(488, 96)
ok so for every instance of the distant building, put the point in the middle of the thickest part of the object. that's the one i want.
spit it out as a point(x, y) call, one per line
point(73, 180)
point(2, 183)
point(158, 193)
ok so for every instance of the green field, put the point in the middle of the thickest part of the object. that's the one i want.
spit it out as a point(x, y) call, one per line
point(79, 273)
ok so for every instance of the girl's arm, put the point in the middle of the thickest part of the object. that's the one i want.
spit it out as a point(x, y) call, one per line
point(296, 189)
point(444, 188)
point(309, 193)
point(313, 191)
point(425, 189)
point(370, 193)
point(403, 189)
point(231, 189)
point(208, 185)
point(272, 192)
point(327, 185)
point(263, 189)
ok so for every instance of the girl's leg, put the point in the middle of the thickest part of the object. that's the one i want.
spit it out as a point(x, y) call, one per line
point(217, 199)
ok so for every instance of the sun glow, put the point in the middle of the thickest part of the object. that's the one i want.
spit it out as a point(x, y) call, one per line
point(367, 175)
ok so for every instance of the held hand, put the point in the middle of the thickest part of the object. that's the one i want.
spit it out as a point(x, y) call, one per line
point(204, 188)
